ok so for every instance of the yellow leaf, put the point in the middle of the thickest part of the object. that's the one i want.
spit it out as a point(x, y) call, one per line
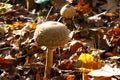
point(18, 24)
point(88, 61)
point(84, 69)
point(9, 25)
point(33, 26)
point(86, 58)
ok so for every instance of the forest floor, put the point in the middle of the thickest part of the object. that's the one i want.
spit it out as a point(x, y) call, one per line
point(93, 53)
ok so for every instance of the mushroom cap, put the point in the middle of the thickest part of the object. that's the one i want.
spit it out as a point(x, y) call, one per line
point(67, 11)
point(51, 34)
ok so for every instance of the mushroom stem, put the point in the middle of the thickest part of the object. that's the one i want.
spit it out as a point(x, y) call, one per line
point(49, 63)
point(30, 4)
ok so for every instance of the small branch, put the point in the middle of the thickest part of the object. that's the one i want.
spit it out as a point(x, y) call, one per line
point(49, 13)
point(5, 48)
point(59, 18)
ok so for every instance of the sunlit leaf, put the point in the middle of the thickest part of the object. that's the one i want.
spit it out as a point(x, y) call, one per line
point(81, 6)
point(5, 6)
point(116, 30)
point(89, 62)
point(86, 58)
point(115, 57)
point(84, 69)
point(32, 26)
point(105, 71)
point(110, 14)
point(16, 25)
point(27, 60)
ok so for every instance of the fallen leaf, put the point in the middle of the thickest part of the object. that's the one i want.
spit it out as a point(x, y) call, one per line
point(105, 71)
point(89, 62)
point(5, 62)
point(102, 78)
point(27, 60)
point(58, 4)
point(109, 14)
point(70, 77)
point(16, 25)
point(86, 58)
point(38, 75)
point(75, 45)
point(83, 7)
point(111, 6)
point(66, 64)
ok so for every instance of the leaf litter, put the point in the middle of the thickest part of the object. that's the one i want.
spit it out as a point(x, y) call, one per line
point(94, 47)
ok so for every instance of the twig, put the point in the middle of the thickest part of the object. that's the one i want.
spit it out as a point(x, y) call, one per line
point(49, 13)
point(59, 18)
point(5, 48)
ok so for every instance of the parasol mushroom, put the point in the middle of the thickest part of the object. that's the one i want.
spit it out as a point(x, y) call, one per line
point(68, 12)
point(51, 34)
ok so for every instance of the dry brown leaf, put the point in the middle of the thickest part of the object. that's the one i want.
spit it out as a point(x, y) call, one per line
point(102, 78)
point(74, 45)
point(111, 6)
point(66, 64)
point(5, 62)
point(70, 77)
point(58, 3)
point(38, 75)
point(83, 7)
